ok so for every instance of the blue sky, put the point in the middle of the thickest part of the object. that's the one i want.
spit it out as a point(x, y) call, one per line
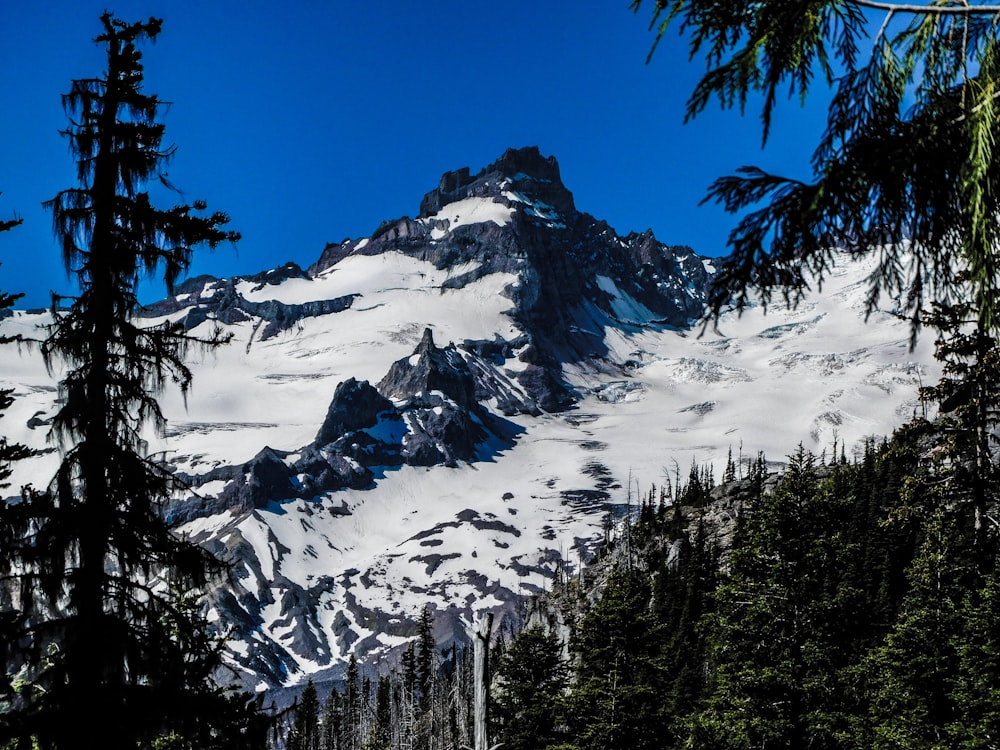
point(317, 120)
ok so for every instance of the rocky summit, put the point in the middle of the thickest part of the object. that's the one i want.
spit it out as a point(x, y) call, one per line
point(453, 411)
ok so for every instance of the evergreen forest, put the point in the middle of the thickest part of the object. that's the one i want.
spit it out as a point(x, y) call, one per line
point(835, 605)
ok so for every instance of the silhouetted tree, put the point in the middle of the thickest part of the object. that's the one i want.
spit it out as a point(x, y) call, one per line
point(906, 167)
point(11, 618)
point(114, 650)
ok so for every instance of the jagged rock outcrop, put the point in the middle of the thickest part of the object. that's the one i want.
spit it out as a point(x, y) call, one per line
point(355, 406)
point(574, 274)
point(431, 369)
point(571, 267)
point(207, 298)
point(568, 278)
point(425, 411)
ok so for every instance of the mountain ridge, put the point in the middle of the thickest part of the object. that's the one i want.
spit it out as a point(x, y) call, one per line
point(448, 412)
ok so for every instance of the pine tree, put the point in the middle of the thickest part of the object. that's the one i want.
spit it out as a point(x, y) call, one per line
point(305, 733)
point(976, 688)
point(381, 735)
point(969, 394)
point(114, 648)
point(911, 676)
point(531, 678)
point(332, 721)
point(425, 726)
point(682, 600)
point(730, 473)
point(11, 618)
point(352, 706)
point(777, 636)
point(615, 701)
point(425, 659)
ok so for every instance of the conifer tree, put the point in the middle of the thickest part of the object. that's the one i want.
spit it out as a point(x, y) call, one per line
point(352, 706)
point(615, 701)
point(332, 721)
point(11, 619)
point(381, 735)
point(906, 167)
point(305, 732)
point(531, 676)
point(976, 688)
point(9, 452)
point(425, 658)
point(969, 394)
point(777, 636)
point(911, 675)
point(114, 649)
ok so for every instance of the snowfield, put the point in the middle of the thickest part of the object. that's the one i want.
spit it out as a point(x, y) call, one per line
point(316, 577)
point(472, 537)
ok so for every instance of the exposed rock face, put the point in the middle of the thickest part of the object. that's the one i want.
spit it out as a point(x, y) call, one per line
point(431, 369)
point(526, 169)
point(207, 298)
point(573, 273)
point(568, 278)
point(569, 265)
point(434, 417)
point(355, 406)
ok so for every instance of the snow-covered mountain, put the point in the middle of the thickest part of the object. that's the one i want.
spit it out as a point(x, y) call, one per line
point(446, 412)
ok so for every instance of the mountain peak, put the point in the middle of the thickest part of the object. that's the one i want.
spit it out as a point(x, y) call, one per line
point(527, 161)
point(522, 170)
point(426, 342)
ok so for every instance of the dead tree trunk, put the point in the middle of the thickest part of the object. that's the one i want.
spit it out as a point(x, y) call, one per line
point(481, 665)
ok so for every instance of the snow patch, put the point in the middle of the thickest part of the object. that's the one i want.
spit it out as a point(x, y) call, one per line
point(468, 211)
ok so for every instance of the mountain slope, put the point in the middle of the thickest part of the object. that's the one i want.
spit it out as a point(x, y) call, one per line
point(445, 412)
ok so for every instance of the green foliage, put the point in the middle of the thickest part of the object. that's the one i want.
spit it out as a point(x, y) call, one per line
point(906, 164)
point(976, 687)
point(765, 643)
point(614, 702)
point(531, 677)
point(911, 674)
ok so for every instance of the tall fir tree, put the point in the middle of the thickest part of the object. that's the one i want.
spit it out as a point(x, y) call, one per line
point(776, 637)
point(911, 675)
point(352, 706)
point(114, 650)
point(305, 733)
point(976, 687)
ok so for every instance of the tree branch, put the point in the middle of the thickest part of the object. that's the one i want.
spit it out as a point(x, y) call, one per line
point(959, 10)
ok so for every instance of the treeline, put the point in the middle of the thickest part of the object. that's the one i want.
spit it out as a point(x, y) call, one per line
point(855, 606)
point(424, 701)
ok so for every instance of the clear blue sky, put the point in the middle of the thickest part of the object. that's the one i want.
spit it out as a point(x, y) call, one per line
point(314, 120)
